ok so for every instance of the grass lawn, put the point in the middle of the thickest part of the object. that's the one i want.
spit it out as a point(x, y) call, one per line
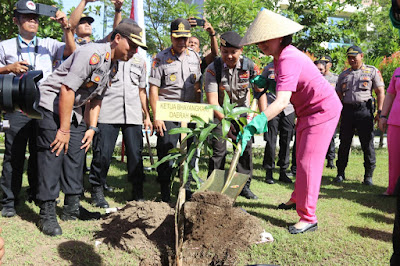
point(355, 223)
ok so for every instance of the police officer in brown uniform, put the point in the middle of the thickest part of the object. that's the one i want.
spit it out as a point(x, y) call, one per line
point(235, 73)
point(175, 76)
point(63, 137)
point(354, 88)
point(121, 108)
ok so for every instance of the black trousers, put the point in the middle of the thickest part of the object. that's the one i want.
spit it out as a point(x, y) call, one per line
point(285, 126)
point(22, 131)
point(63, 171)
point(217, 160)
point(103, 148)
point(357, 117)
point(395, 259)
point(331, 154)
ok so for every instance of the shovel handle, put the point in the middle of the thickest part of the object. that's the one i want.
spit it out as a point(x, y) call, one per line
point(232, 168)
point(149, 147)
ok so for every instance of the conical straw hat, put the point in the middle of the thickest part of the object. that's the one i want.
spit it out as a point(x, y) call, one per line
point(269, 25)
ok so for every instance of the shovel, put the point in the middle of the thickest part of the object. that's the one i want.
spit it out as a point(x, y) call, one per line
point(230, 183)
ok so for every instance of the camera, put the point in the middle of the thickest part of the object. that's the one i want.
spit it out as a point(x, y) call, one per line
point(21, 93)
point(200, 22)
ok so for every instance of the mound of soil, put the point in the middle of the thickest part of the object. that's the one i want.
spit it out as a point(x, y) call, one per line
point(214, 231)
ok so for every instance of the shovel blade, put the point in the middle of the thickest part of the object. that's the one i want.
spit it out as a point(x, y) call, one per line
point(216, 182)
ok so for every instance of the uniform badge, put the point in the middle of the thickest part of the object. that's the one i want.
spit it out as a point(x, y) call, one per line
point(365, 84)
point(107, 56)
point(271, 76)
point(136, 60)
point(211, 72)
point(89, 84)
point(244, 75)
point(155, 63)
point(365, 78)
point(344, 86)
point(31, 5)
point(97, 78)
point(380, 75)
point(95, 59)
point(195, 77)
point(172, 77)
point(169, 61)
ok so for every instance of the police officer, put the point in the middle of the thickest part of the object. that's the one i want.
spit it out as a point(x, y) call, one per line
point(174, 77)
point(354, 88)
point(121, 108)
point(18, 55)
point(63, 136)
point(82, 24)
point(235, 72)
point(324, 65)
point(282, 123)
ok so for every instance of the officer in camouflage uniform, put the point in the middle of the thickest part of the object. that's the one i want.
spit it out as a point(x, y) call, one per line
point(354, 88)
point(235, 73)
point(175, 76)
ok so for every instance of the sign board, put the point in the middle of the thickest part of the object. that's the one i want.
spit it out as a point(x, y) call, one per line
point(182, 111)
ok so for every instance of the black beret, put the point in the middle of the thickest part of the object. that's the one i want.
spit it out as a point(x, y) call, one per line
point(231, 39)
point(354, 50)
point(180, 28)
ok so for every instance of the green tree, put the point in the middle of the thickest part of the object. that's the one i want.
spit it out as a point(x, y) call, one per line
point(47, 27)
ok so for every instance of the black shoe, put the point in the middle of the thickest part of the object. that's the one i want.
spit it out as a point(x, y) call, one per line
point(248, 194)
point(283, 206)
point(108, 188)
point(339, 179)
point(48, 219)
point(268, 177)
point(8, 211)
point(284, 178)
point(165, 192)
point(73, 211)
point(368, 181)
point(330, 164)
point(98, 199)
point(307, 228)
point(137, 192)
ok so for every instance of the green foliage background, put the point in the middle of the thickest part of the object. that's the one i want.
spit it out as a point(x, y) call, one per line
point(47, 27)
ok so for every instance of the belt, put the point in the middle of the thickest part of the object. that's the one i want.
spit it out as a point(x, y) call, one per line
point(356, 105)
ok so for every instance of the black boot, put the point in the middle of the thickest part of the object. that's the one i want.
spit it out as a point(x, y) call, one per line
point(268, 177)
point(48, 219)
point(98, 199)
point(368, 177)
point(283, 177)
point(165, 192)
point(247, 193)
point(73, 211)
point(330, 164)
point(137, 192)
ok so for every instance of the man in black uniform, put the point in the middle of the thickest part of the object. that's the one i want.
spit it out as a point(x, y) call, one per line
point(282, 123)
point(354, 88)
point(63, 136)
point(235, 74)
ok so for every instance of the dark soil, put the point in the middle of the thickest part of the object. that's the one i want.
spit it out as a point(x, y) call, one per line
point(214, 231)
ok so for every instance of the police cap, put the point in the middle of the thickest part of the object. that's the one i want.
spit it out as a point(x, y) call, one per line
point(231, 39)
point(326, 58)
point(131, 30)
point(180, 28)
point(86, 18)
point(354, 51)
point(25, 7)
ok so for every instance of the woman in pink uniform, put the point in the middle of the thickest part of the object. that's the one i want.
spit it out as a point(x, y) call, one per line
point(392, 105)
point(316, 104)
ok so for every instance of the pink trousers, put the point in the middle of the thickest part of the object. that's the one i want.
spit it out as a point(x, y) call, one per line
point(393, 133)
point(311, 146)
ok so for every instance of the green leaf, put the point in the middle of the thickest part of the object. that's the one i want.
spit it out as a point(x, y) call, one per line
point(226, 126)
point(206, 132)
point(241, 110)
point(199, 121)
point(179, 130)
point(216, 108)
point(169, 157)
point(185, 173)
point(196, 178)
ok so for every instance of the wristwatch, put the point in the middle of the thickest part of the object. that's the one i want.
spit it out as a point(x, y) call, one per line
point(95, 129)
